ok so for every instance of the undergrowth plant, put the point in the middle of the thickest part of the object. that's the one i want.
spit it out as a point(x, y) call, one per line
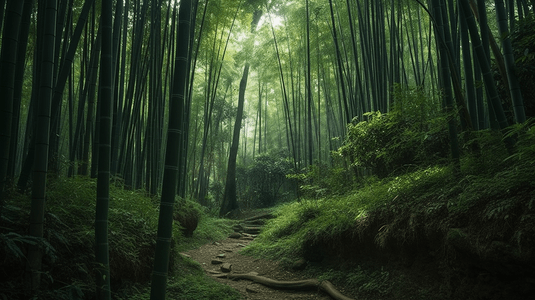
point(68, 242)
point(320, 180)
point(264, 181)
point(495, 174)
point(328, 218)
point(413, 133)
point(430, 188)
point(493, 192)
point(189, 283)
point(377, 282)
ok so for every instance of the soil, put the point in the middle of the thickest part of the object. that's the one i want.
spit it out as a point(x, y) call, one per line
point(426, 254)
point(240, 264)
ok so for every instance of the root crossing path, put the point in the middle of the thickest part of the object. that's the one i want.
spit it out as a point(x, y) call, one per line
point(257, 278)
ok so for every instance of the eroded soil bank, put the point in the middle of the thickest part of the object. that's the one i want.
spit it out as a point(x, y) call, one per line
point(427, 251)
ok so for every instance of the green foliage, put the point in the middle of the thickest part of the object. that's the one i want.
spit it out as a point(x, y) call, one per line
point(187, 214)
point(319, 180)
point(198, 286)
point(415, 106)
point(209, 229)
point(486, 207)
point(190, 283)
point(264, 182)
point(492, 183)
point(377, 282)
point(68, 242)
point(525, 134)
point(412, 133)
point(326, 219)
point(11, 242)
point(495, 177)
point(523, 43)
point(490, 156)
point(132, 225)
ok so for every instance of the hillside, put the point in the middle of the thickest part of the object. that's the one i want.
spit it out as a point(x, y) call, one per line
point(436, 232)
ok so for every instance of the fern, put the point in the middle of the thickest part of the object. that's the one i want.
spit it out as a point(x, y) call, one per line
point(12, 240)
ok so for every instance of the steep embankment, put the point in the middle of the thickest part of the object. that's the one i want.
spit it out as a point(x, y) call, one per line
point(429, 234)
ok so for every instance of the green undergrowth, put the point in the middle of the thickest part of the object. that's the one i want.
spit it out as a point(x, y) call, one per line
point(188, 282)
point(317, 220)
point(68, 244)
point(209, 229)
point(461, 229)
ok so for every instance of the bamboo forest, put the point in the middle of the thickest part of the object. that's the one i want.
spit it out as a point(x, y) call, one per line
point(267, 149)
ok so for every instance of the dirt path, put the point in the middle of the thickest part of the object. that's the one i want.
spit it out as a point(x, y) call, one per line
point(227, 252)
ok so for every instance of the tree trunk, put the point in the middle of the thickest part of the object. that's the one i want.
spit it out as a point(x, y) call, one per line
point(8, 58)
point(339, 65)
point(446, 80)
point(229, 197)
point(309, 89)
point(37, 212)
point(494, 98)
point(469, 74)
point(170, 177)
point(104, 148)
point(64, 72)
point(288, 120)
point(16, 150)
point(514, 86)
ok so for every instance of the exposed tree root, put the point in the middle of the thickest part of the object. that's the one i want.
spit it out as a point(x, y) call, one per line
point(308, 284)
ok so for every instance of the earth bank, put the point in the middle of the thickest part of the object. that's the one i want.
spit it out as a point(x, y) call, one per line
point(435, 248)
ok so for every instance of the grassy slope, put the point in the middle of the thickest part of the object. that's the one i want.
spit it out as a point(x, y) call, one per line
point(69, 254)
point(430, 233)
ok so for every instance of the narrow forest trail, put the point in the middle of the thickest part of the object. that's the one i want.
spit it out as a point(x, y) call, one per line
point(223, 257)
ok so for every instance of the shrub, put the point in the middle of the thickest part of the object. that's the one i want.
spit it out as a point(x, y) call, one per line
point(319, 180)
point(69, 239)
point(386, 144)
point(187, 213)
point(264, 182)
point(412, 133)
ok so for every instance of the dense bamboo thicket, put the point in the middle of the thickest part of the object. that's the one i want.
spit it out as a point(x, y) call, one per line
point(230, 102)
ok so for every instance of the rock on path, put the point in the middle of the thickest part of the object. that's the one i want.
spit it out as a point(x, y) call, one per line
point(232, 262)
